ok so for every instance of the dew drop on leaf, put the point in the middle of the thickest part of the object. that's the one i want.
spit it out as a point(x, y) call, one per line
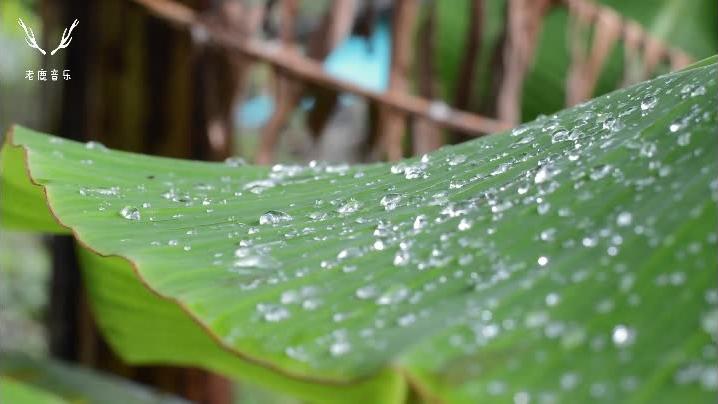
point(420, 222)
point(94, 145)
point(130, 213)
point(552, 299)
point(235, 161)
point(648, 102)
point(624, 219)
point(544, 174)
point(709, 322)
point(559, 136)
point(273, 312)
point(350, 206)
point(406, 320)
point(600, 171)
point(366, 292)
point(256, 261)
point(390, 201)
point(339, 348)
point(548, 235)
point(456, 159)
point(623, 336)
point(274, 217)
point(465, 224)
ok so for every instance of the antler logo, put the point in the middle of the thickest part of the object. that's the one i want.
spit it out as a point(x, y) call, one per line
point(30, 37)
point(32, 42)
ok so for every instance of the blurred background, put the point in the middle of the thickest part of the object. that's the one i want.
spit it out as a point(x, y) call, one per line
point(293, 81)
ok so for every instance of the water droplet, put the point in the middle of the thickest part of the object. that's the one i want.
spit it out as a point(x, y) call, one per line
point(130, 213)
point(522, 397)
point(709, 322)
point(699, 90)
point(456, 159)
point(255, 261)
point(397, 168)
point(548, 235)
point(415, 171)
point(456, 183)
point(648, 149)
point(675, 126)
point(569, 381)
point(552, 299)
point(613, 124)
point(350, 206)
point(544, 174)
point(543, 208)
point(339, 348)
point(684, 139)
point(709, 378)
point(590, 241)
point(259, 186)
point(600, 171)
point(624, 219)
point(401, 258)
point(560, 135)
point(350, 252)
point(623, 336)
point(465, 224)
point(393, 295)
point(648, 102)
point(235, 161)
point(406, 320)
point(420, 222)
point(502, 168)
point(366, 292)
point(273, 312)
point(390, 201)
point(274, 217)
point(111, 191)
point(93, 145)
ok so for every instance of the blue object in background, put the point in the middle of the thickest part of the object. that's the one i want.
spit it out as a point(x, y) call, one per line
point(361, 61)
point(255, 112)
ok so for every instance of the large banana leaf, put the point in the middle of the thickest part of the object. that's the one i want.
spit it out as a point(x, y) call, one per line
point(570, 260)
point(12, 391)
point(689, 25)
point(26, 380)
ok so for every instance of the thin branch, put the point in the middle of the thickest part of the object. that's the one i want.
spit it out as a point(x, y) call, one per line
point(585, 68)
point(287, 92)
point(524, 20)
point(427, 136)
point(392, 124)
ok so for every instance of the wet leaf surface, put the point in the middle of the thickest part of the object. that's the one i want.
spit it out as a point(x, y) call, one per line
point(570, 260)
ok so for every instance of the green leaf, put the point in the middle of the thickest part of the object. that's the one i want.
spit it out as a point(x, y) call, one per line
point(28, 380)
point(570, 260)
point(12, 391)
